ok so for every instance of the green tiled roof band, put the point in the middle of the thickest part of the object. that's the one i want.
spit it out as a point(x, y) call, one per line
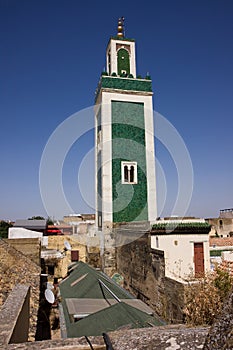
point(182, 226)
point(126, 84)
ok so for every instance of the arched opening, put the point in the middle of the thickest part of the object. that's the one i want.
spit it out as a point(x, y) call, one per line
point(123, 65)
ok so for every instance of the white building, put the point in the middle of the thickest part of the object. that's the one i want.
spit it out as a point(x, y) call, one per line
point(185, 244)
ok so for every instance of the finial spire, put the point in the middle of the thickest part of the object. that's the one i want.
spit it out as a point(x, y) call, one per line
point(120, 28)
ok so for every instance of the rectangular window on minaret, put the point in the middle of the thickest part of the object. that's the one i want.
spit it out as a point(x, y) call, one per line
point(129, 173)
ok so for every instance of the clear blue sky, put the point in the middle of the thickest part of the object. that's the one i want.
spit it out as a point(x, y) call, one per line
point(52, 55)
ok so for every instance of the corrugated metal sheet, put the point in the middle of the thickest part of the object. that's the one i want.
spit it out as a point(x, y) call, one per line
point(93, 303)
point(90, 306)
point(110, 319)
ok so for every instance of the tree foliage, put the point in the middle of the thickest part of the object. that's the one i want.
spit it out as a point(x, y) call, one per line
point(4, 225)
point(36, 218)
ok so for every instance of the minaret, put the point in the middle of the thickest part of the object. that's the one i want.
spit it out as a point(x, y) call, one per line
point(124, 140)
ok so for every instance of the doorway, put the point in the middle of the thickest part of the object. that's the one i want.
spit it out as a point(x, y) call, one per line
point(199, 259)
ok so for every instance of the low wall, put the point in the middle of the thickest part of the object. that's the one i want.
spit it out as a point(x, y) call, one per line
point(14, 316)
point(156, 338)
point(16, 269)
point(30, 247)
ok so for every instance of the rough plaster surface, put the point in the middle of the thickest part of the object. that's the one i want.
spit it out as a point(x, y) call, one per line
point(156, 338)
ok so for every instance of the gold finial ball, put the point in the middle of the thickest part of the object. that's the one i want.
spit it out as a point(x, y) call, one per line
point(120, 27)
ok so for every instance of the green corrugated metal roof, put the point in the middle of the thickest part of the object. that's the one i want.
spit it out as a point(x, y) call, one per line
point(83, 282)
point(111, 319)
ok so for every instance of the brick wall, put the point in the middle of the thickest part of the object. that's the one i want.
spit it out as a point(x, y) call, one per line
point(221, 242)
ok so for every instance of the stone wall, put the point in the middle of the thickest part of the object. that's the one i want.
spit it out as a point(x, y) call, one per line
point(143, 270)
point(56, 244)
point(223, 227)
point(30, 247)
point(15, 268)
point(154, 338)
point(14, 317)
point(93, 257)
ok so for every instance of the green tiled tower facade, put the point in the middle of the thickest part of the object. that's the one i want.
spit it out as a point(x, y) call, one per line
point(125, 160)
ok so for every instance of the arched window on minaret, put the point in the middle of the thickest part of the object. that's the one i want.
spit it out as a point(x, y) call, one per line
point(131, 174)
point(123, 65)
point(126, 174)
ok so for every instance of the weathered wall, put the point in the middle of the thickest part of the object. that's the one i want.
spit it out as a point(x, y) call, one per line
point(143, 270)
point(221, 241)
point(14, 316)
point(30, 247)
point(223, 227)
point(93, 256)
point(57, 243)
point(15, 268)
point(156, 338)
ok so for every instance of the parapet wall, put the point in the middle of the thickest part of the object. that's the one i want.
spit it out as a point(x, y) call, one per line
point(15, 269)
point(156, 338)
point(30, 247)
point(14, 317)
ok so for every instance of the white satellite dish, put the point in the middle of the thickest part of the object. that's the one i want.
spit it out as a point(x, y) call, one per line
point(49, 296)
point(67, 245)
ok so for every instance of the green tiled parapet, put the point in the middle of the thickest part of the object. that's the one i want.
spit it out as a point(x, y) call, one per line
point(129, 84)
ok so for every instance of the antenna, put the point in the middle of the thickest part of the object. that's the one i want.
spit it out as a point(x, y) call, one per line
point(49, 296)
point(67, 245)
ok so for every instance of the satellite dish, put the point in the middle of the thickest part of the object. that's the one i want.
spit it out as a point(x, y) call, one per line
point(49, 296)
point(67, 245)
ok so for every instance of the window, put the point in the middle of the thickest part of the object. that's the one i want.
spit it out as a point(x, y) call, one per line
point(100, 221)
point(99, 137)
point(157, 242)
point(123, 64)
point(109, 62)
point(129, 172)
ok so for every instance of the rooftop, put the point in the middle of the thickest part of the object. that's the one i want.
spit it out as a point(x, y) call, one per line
point(99, 304)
